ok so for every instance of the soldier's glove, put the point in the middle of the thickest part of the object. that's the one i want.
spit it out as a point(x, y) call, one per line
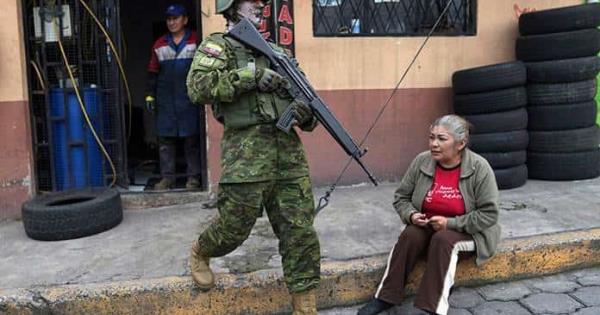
point(268, 80)
point(244, 79)
point(150, 104)
point(302, 113)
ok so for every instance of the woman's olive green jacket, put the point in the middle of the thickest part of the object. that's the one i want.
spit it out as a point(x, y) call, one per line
point(477, 185)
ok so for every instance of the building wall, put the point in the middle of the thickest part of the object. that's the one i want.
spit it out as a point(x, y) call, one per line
point(16, 161)
point(353, 75)
point(356, 75)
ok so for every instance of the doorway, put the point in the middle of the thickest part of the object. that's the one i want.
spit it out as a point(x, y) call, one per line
point(141, 25)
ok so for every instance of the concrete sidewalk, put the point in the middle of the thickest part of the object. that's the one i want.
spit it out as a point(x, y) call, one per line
point(141, 265)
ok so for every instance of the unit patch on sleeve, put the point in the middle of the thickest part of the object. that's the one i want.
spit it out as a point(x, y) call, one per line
point(207, 61)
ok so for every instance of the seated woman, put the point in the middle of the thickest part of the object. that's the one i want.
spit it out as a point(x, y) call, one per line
point(448, 199)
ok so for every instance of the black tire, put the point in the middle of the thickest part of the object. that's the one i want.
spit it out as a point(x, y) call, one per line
point(511, 177)
point(560, 20)
point(561, 71)
point(499, 142)
point(499, 122)
point(490, 102)
point(575, 44)
point(561, 93)
point(505, 159)
point(562, 116)
point(489, 78)
point(563, 141)
point(72, 214)
point(564, 166)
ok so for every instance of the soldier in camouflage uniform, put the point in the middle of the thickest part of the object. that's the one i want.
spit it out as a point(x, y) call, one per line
point(262, 167)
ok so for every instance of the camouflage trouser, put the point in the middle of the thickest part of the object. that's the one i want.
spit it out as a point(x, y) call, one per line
point(290, 207)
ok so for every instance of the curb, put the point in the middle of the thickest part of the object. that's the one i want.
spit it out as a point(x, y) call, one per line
point(264, 292)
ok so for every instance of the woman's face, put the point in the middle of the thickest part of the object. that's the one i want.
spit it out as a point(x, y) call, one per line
point(443, 147)
point(252, 10)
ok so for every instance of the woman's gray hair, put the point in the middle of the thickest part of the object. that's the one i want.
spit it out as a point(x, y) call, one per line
point(456, 125)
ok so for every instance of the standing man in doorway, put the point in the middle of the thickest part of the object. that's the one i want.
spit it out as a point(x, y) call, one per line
point(166, 97)
point(262, 166)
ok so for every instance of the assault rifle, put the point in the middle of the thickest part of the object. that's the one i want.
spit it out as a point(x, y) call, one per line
point(300, 89)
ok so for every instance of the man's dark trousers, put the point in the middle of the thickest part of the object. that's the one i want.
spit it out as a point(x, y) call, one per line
point(167, 154)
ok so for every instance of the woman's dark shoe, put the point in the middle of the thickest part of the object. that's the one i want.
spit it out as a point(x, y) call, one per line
point(375, 306)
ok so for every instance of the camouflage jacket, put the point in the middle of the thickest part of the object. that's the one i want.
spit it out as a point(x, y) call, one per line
point(252, 148)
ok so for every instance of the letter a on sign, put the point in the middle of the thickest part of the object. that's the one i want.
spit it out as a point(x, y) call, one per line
point(284, 15)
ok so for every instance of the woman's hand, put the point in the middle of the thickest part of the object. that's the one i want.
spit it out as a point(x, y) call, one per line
point(438, 223)
point(419, 219)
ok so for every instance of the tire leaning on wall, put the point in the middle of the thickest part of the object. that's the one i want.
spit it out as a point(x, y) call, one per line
point(560, 93)
point(505, 159)
point(560, 19)
point(490, 102)
point(561, 71)
point(498, 122)
point(564, 166)
point(489, 78)
point(562, 116)
point(499, 141)
point(563, 141)
point(554, 46)
point(511, 177)
point(72, 214)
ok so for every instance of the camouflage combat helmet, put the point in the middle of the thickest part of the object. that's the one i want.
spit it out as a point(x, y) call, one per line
point(223, 5)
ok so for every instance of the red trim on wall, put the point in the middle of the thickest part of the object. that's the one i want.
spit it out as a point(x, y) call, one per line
point(15, 158)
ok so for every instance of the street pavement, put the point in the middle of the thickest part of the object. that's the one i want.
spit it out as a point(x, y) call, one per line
point(150, 249)
point(359, 222)
point(575, 292)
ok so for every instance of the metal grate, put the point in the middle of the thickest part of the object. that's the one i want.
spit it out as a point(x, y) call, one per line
point(393, 17)
point(97, 76)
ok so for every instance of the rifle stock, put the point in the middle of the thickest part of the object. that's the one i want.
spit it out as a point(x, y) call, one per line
point(300, 89)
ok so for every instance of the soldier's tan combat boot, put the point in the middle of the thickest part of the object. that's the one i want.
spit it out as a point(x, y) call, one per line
point(305, 303)
point(201, 273)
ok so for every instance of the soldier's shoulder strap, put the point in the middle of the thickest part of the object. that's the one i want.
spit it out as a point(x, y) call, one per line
point(241, 52)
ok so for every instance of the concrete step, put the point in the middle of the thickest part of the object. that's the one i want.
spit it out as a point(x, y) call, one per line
point(263, 292)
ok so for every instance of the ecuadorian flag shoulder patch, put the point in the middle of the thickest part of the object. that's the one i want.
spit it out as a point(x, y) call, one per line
point(212, 49)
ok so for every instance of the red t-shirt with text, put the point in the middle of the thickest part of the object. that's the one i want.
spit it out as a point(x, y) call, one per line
point(444, 197)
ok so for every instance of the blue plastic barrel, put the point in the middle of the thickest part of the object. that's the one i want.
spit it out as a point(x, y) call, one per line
point(93, 101)
point(59, 138)
point(78, 161)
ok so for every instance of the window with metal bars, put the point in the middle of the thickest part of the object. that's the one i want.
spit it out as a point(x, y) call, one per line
point(393, 17)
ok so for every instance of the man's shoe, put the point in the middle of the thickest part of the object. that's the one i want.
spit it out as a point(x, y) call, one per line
point(305, 303)
point(201, 273)
point(164, 184)
point(375, 306)
point(192, 183)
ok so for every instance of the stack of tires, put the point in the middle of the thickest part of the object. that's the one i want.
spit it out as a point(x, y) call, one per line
point(493, 99)
point(560, 48)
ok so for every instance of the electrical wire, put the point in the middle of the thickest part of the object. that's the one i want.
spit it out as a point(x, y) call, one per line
point(324, 201)
point(38, 74)
point(117, 58)
point(85, 113)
